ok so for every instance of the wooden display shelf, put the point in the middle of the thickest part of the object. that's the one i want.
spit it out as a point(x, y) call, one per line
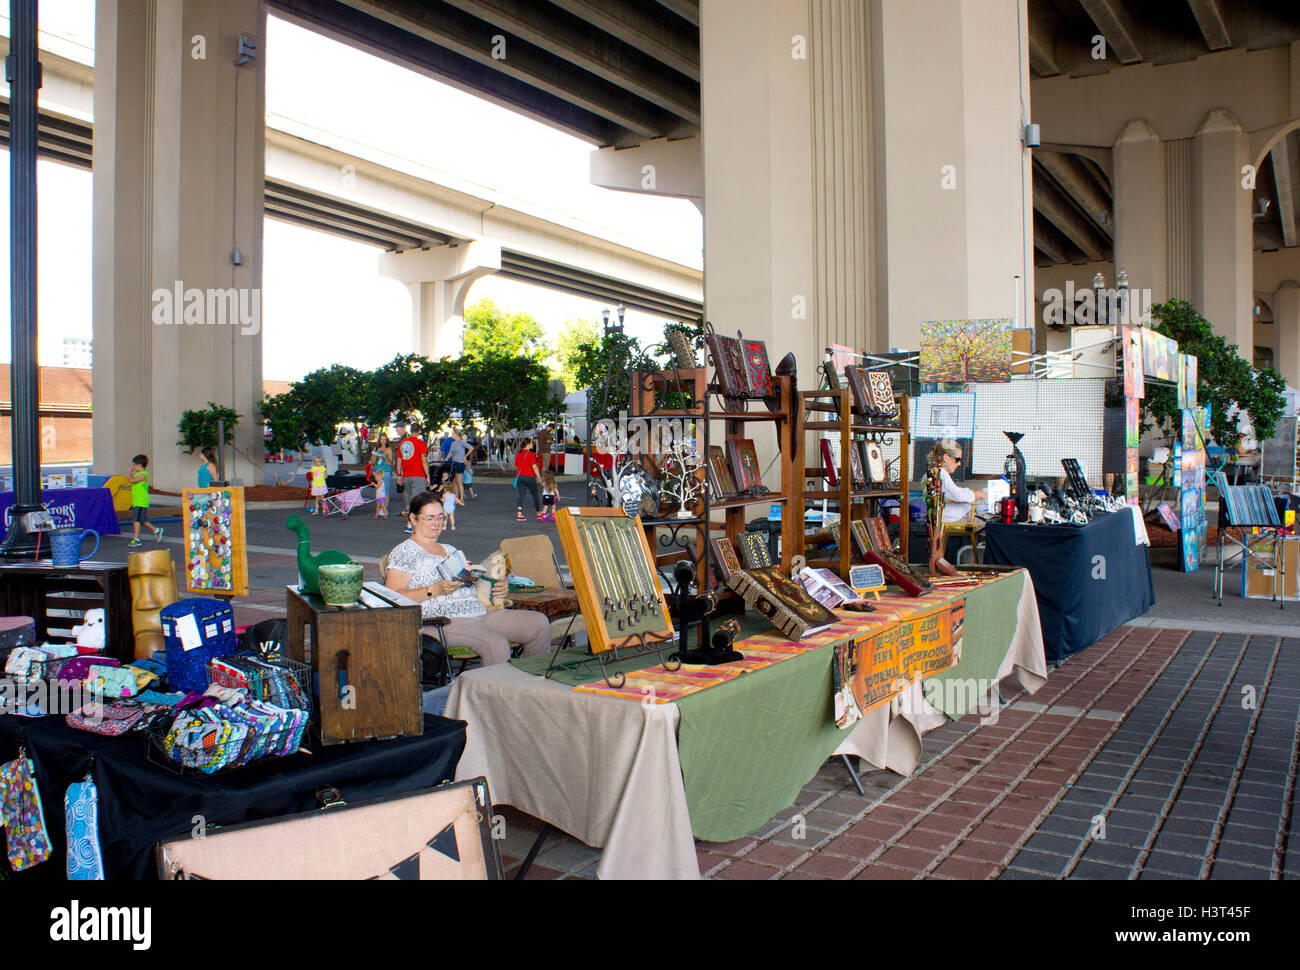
point(854, 501)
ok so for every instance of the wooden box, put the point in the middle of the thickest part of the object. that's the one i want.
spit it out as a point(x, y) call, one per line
point(366, 660)
point(441, 833)
point(45, 592)
point(1257, 577)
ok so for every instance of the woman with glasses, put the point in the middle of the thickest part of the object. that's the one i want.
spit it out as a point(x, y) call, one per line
point(945, 502)
point(413, 571)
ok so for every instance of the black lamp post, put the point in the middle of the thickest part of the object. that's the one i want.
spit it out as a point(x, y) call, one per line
point(23, 71)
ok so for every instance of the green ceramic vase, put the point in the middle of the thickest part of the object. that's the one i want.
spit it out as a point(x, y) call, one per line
point(340, 585)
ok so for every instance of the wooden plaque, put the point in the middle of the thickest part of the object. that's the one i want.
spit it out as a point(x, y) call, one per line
point(216, 552)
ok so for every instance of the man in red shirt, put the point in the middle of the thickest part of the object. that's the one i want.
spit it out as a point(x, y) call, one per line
point(413, 466)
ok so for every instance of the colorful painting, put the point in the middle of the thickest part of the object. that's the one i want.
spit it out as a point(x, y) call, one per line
point(758, 373)
point(1187, 382)
point(1132, 436)
point(1134, 385)
point(966, 351)
point(216, 555)
point(1192, 479)
point(1159, 355)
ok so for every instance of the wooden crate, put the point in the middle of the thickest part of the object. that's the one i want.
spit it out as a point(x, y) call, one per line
point(372, 648)
point(42, 591)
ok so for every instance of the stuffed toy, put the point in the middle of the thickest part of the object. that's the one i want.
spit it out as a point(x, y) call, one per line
point(91, 635)
point(494, 570)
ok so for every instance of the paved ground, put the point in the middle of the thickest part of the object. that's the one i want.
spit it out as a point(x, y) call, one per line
point(1167, 750)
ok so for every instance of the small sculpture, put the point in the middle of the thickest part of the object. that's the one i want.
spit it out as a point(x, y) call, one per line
point(308, 564)
point(494, 570)
point(153, 585)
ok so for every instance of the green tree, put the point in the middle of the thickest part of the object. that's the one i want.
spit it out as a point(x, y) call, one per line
point(491, 332)
point(286, 421)
point(615, 357)
point(442, 391)
point(199, 428)
point(398, 389)
point(1224, 378)
point(506, 393)
point(576, 335)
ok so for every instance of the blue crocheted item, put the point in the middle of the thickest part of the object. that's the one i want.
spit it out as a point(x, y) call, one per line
point(207, 628)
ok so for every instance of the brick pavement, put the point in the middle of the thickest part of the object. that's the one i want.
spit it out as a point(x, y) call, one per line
point(1153, 754)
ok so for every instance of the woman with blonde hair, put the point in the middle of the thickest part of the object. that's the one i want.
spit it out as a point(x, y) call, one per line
point(945, 500)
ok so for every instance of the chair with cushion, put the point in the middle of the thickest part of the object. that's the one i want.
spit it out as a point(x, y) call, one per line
point(533, 557)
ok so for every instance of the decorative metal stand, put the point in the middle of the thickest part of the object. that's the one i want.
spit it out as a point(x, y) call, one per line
point(639, 645)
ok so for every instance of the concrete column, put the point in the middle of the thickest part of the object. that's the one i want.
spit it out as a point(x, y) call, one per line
point(1141, 210)
point(758, 221)
point(958, 180)
point(178, 187)
point(1222, 229)
point(438, 281)
point(1286, 328)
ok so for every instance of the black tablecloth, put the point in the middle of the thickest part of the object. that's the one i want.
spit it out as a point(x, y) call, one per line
point(141, 803)
point(1081, 597)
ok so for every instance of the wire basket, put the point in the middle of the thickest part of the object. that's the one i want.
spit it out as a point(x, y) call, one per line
point(292, 689)
point(169, 749)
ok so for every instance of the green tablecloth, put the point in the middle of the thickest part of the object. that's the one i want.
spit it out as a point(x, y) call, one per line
point(749, 745)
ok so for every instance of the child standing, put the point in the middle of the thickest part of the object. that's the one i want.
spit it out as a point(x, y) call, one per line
point(381, 494)
point(139, 476)
point(318, 487)
point(468, 481)
point(447, 497)
point(550, 496)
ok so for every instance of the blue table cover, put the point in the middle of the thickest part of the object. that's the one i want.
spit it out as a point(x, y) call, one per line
point(85, 508)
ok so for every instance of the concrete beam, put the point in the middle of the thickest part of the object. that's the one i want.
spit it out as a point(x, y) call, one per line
point(1048, 247)
point(1111, 18)
point(1209, 17)
point(1285, 165)
point(472, 39)
point(659, 167)
point(592, 50)
point(1042, 50)
point(679, 49)
point(1052, 207)
point(1077, 182)
point(441, 263)
point(688, 10)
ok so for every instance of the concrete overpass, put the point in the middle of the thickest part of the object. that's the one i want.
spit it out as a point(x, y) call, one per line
point(399, 206)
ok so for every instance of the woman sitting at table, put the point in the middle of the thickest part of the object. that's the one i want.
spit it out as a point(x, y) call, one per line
point(945, 502)
point(413, 572)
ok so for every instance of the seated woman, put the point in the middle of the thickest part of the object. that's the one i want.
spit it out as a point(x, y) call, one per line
point(947, 501)
point(413, 572)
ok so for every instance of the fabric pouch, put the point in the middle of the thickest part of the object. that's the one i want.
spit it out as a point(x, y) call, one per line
point(20, 661)
point(23, 817)
point(111, 681)
point(109, 720)
point(81, 810)
point(143, 678)
point(78, 668)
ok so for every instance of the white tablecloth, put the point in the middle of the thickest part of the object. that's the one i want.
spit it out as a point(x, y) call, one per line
point(606, 770)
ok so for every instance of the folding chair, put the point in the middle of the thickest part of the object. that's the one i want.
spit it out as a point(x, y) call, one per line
point(534, 557)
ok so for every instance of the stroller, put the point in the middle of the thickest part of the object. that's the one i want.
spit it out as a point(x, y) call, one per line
point(344, 501)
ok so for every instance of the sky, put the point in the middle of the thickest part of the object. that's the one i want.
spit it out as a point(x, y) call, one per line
point(320, 292)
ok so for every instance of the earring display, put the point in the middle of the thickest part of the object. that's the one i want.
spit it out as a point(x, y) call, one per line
point(216, 555)
point(614, 577)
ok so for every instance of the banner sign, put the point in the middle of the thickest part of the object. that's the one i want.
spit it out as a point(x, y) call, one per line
point(873, 669)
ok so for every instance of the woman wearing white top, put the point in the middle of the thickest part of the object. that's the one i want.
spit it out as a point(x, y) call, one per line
point(945, 458)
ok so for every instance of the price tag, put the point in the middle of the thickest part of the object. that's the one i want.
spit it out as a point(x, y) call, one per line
point(187, 629)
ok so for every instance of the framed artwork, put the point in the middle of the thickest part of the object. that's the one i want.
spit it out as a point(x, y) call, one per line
point(828, 461)
point(1134, 384)
point(744, 464)
point(881, 388)
point(875, 462)
point(216, 553)
point(724, 557)
point(614, 576)
point(1159, 355)
point(861, 533)
point(858, 385)
point(945, 416)
point(758, 372)
point(966, 351)
point(753, 550)
point(855, 462)
point(878, 535)
point(719, 474)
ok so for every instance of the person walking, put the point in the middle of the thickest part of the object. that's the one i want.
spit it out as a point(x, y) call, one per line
point(544, 442)
point(139, 479)
point(413, 459)
point(526, 472)
point(458, 455)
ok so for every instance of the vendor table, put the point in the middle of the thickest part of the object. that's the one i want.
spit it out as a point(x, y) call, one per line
point(1089, 579)
point(84, 508)
point(141, 803)
point(644, 779)
point(47, 593)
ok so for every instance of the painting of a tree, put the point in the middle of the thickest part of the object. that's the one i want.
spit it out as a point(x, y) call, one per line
point(966, 351)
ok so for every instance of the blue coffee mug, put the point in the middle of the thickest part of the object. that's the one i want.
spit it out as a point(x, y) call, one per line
point(65, 546)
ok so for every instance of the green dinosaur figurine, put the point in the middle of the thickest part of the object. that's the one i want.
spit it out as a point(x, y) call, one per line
point(307, 563)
